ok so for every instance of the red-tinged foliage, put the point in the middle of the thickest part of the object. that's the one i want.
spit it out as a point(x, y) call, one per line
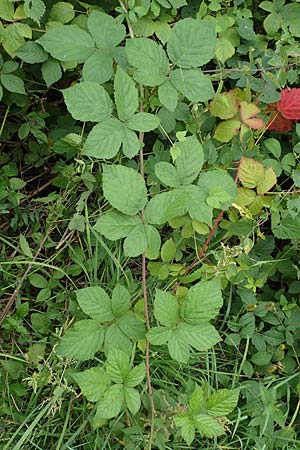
point(285, 111)
point(279, 123)
point(289, 103)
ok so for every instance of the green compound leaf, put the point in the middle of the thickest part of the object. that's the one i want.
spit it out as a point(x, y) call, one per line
point(95, 302)
point(219, 188)
point(149, 59)
point(192, 43)
point(68, 43)
point(104, 140)
point(82, 340)
point(126, 95)
point(143, 122)
point(222, 402)
point(105, 30)
point(193, 84)
point(203, 302)
point(124, 188)
point(168, 95)
point(115, 225)
point(166, 308)
point(88, 101)
point(92, 382)
point(98, 67)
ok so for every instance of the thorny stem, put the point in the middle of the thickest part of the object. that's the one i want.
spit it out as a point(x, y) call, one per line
point(144, 262)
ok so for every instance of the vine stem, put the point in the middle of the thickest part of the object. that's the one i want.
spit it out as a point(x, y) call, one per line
point(144, 261)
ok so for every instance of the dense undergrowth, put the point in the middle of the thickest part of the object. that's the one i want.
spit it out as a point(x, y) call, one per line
point(149, 225)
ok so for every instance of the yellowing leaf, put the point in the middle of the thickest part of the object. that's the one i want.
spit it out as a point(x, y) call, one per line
point(269, 181)
point(251, 172)
point(225, 131)
point(224, 105)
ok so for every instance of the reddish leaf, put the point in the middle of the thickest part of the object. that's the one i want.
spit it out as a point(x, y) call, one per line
point(248, 111)
point(279, 123)
point(289, 103)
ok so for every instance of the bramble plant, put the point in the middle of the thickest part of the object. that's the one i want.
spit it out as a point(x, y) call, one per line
point(150, 185)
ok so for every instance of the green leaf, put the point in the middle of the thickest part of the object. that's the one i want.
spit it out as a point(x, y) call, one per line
point(168, 95)
point(251, 172)
point(105, 30)
point(203, 302)
point(190, 159)
point(126, 95)
point(272, 23)
point(82, 340)
point(192, 43)
point(136, 375)
point(222, 402)
point(226, 130)
point(104, 140)
point(196, 205)
point(7, 10)
point(132, 399)
point(34, 9)
point(130, 145)
point(68, 43)
point(166, 308)
point(167, 174)
point(187, 427)
point(163, 207)
point(159, 335)
point(219, 187)
point(120, 301)
point(153, 242)
point(124, 188)
point(13, 83)
point(62, 12)
point(114, 225)
point(51, 71)
point(143, 122)
point(132, 327)
point(149, 59)
point(92, 382)
point(38, 281)
point(178, 346)
point(98, 67)
point(287, 228)
point(95, 302)
point(117, 365)
point(193, 84)
point(168, 251)
point(196, 401)
point(111, 403)
point(32, 53)
point(26, 250)
point(208, 426)
point(88, 101)
point(202, 337)
point(116, 339)
point(224, 49)
point(273, 146)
